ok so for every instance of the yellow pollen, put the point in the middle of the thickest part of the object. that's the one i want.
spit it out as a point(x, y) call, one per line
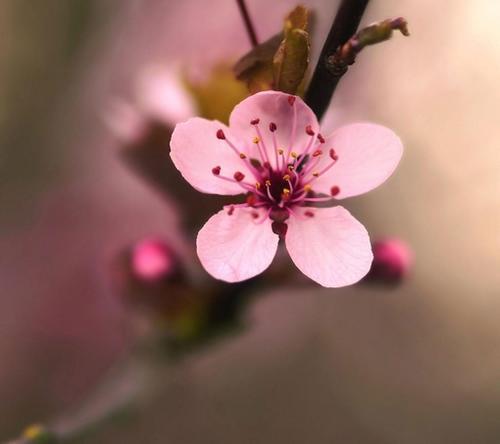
point(280, 151)
point(268, 183)
point(307, 188)
point(316, 174)
point(242, 156)
point(257, 185)
point(286, 191)
point(286, 177)
point(290, 168)
point(294, 154)
point(256, 139)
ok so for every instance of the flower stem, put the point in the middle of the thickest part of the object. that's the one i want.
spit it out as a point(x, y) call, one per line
point(248, 22)
point(323, 83)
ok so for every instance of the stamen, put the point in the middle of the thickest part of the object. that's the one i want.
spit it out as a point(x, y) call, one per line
point(257, 185)
point(220, 134)
point(286, 177)
point(243, 156)
point(321, 138)
point(256, 140)
point(309, 130)
point(280, 151)
point(272, 128)
point(216, 170)
point(264, 147)
point(308, 213)
point(294, 154)
point(317, 153)
point(307, 188)
point(291, 100)
point(238, 176)
point(255, 121)
point(230, 211)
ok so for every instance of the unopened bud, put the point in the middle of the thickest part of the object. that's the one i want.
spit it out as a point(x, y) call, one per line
point(392, 261)
point(152, 260)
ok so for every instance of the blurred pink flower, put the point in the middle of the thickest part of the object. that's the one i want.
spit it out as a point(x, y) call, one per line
point(159, 97)
point(273, 151)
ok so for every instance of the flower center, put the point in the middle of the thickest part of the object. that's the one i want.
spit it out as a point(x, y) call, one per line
point(279, 179)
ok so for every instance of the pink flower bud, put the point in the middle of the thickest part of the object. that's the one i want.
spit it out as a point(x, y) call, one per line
point(392, 260)
point(152, 260)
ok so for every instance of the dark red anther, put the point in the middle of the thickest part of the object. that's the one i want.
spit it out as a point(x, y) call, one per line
point(309, 213)
point(321, 138)
point(220, 135)
point(238, 176)
point(333, 154)
point(279, 228)
point(255, 215)
point(216, 170)
point(309, 130)
point(254, 122)
point(272, 127)
point(317, 153)
point(334, 190)
point(230, 211)
point(251, 199)
point(291, 100)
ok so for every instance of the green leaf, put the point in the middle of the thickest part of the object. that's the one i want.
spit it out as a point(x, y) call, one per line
point(291, 60)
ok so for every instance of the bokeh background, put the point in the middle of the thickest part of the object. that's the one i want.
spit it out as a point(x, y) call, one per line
point(417, 363)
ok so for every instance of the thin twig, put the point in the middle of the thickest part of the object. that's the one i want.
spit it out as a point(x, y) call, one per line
point(323, 84)
point(248, 22)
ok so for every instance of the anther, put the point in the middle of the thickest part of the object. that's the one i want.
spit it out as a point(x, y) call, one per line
point(220, 135)
point(230, 211)
point(286, 191)
point(334, 190)
point(294, 154)
point(291, 100)
point(216, 170)
point(257, 185)
point(280, 151)
point(333, 155)
point(255, 215)
point(242, 156)
point(286, 177)
point(256, 139)
point(309, 213)
point(307, 188)
point(238, 176)
point(309, 130)
point(291, 167)
point(251, 199)
point(268, 183)
point(317, 153)
point(272, 127)
point(321, 138)
point(316, 174)
point(254, 122)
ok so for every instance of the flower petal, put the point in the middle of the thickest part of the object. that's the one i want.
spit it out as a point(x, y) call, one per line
point(236, 247)
point(289, 113)
point(367, 155)
point(332, 247)
point(196, 150)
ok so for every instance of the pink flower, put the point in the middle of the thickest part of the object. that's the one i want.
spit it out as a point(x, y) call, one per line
point(273, 151)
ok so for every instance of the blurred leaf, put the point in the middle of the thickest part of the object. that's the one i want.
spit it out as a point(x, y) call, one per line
point(255, 68)
point(217, 96)
point(279, 63)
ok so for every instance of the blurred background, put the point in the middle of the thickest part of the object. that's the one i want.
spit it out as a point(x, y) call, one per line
point(365, 364)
